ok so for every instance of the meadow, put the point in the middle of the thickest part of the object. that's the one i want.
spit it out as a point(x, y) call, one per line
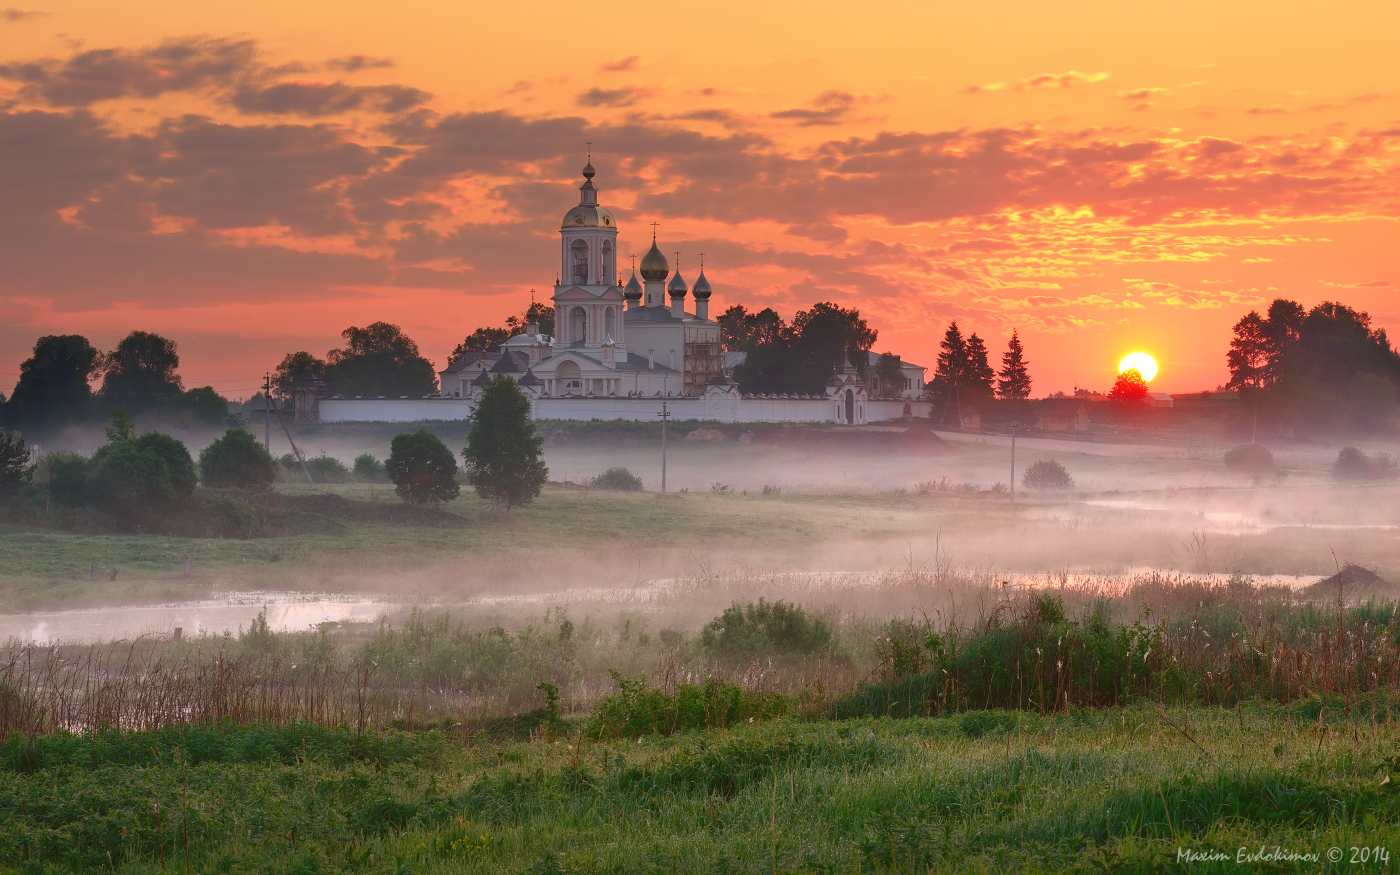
point(876, 664)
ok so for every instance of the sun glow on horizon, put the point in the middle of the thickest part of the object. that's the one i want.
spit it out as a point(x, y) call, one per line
point(1145, 364)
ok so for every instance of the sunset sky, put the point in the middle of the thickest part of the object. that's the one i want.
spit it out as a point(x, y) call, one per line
point(250, 178)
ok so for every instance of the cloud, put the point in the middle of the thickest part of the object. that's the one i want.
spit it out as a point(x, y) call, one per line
point(326, 98)
point(1139, 93)
point(615, 97)
point(982, 89)
point(12, 15)
point(1067, 79)
point(628, 63)
point(1369, 284)
point(107, 74)
point(829, 108)
point(356, 63)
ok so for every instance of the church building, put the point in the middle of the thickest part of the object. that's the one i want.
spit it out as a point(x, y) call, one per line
point(612, 340)
point(622, 351)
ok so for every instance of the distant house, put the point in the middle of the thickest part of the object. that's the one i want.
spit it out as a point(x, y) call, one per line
point(971, 419)
point(1160, 399)
point(1062, 414)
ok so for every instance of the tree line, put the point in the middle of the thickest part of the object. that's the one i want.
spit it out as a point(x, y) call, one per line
point(1320, 370)
point(140, 376)
point(965, 375)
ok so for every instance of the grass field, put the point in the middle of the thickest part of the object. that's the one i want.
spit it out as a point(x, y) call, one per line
point(1114, 790)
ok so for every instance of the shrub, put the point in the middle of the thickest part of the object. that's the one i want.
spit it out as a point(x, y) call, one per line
point(422, 468)
point(618, 480)
point(1352, 464)
point(139, 478)
point(766, 628)
point(1047, 474)
point(637, 708)
point(322, 468)
point(1252, 459)
point(14, 464)
point(238, 460)
point(369, 469)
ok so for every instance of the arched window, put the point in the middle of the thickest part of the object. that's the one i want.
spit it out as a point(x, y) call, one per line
point(607, 271)
point(580, 250)
point(610, 323)
point(578, 322)
point(570, 379)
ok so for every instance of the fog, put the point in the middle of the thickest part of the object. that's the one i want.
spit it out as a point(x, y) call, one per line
point(875, 520)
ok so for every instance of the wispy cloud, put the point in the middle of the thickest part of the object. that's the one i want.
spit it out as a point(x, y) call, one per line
point(13, 15)
point(621, 64)
point(615, 97)
point(1067, 79)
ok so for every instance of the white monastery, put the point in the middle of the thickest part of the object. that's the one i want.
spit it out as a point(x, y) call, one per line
point(620, 351)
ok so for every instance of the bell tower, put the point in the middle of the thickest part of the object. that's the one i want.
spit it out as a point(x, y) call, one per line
point(588, 304)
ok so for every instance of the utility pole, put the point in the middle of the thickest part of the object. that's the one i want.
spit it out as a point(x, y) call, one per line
point(664, 416)
point(1013, 464)
point(267, 411)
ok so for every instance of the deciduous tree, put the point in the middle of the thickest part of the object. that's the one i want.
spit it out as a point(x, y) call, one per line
point(238, 460)
point(380, 359)
point(53, 388)
point(504, 456)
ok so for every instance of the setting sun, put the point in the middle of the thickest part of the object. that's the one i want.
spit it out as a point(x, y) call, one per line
point(1145, 364)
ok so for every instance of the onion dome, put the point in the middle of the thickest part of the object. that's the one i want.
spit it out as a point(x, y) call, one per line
point(588, 214)
point(633, 291)
point(655, 267)
point(677, 288)
point(701, 287)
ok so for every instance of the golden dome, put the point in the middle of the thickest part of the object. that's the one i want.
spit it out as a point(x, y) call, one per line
point(588, 216)
point(655, 267)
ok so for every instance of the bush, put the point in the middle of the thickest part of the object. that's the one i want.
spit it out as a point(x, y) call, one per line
point(1352, 464)
point(140, 478)
point(1047, 474)
point(15, 470)
point(766, 628)
point(237, 460)
point(637, 708)
point(618, 480)
point(423, 469)
point(369, 469)
point(1252, 459)
point(323, 468)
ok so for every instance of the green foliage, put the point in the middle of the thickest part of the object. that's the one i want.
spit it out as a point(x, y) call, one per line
point(637, 708)
point(237, 460)
point(1253, 459)
point(1372, 402)
point(323, 468)
point(121, 428)
point(422, 468)
point(140, 478)
point(889, 374)
point(204, 405)
point(380, 359)
point(15, 470)
point(1352, 464)
point(618, 480)
point(53, 388)
point(797, 358)
point(294, 366)
point(504, 456)
point(1014, 377)
point(766, 629)
point(140, 373)
point(369, 469)
point(1047, 474)
point(1130, 387)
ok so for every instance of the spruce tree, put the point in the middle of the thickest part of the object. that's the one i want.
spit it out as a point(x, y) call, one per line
point(952, 365)
point(1015, 379)
point(504, 456)
point(979, 376)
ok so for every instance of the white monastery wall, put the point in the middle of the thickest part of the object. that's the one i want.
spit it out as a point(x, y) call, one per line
point(718, 409)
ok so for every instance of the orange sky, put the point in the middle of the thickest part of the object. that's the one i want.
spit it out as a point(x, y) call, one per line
point(251, 178)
